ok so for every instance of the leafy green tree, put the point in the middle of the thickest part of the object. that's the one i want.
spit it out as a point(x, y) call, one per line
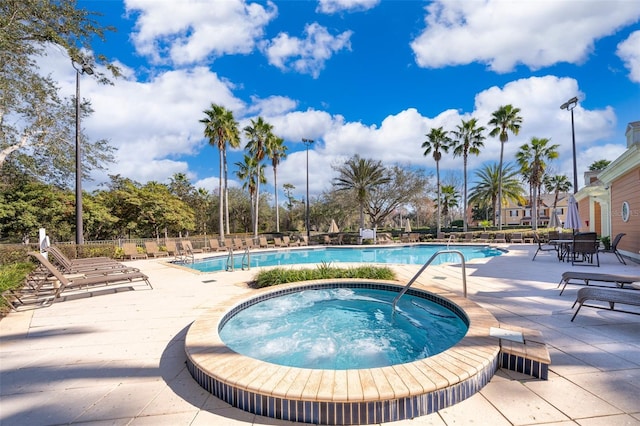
point(276, 151)
point(36, 124)
point(251, 172)
point(504, 120)
point(360, 176)
point(532, 159)
point(437, 142)
point(599, 165)
point(258, 134)
point(468, 139)
point(222, 130)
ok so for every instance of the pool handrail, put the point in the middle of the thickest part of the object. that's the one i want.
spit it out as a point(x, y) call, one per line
point(427, 263)
point(246, 259)
point(230, 260)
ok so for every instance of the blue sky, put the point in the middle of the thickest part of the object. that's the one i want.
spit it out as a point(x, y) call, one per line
point(358, 76)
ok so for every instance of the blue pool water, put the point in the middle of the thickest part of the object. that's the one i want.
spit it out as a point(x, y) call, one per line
point(415, 254)
point(342, 328)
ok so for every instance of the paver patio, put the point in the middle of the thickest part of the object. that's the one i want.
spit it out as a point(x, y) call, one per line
point(119, 359)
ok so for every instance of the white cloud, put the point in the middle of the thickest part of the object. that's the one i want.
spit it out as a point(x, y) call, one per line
point(503, 34)
point(190, 31)
point(629, 52)
point(305, 55)
point(334, 6)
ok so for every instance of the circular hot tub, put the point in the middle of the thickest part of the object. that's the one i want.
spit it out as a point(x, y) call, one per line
point(390, 389)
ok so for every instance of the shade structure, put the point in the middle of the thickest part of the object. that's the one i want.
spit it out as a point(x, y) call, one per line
point(572, 221)
point(333, 228)
point(407, 227)
point(554, 221)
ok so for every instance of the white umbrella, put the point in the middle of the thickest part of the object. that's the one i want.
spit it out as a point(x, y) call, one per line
point(407, 228)
point(554, 221)
point(572, 221)
point(333, 228)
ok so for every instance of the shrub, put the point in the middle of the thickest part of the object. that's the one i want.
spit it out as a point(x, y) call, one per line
point(277, 276)
point(12, 277)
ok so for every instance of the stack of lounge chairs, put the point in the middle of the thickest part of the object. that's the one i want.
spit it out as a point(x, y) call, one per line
point(67, 278)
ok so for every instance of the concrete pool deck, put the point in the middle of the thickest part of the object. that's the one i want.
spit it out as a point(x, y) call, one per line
point(119, 359)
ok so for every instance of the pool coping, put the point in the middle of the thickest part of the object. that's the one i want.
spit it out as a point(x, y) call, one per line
point(361, 396)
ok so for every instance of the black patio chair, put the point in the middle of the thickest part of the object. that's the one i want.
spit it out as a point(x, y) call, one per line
point(584, 248)
point(614, 248)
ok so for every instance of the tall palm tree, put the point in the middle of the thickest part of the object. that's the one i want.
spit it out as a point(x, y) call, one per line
point(557, 184)
point(361, 176)
point(251, 172)
point(437, 141)
point(221, 129)
point(276, 151)
point(505, 119)
point(258, 135)
point(468, 140)
point(450, 197)
point(487, 190)
point(532, 160)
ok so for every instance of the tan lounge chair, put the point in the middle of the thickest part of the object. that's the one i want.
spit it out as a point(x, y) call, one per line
point(264, 243)
point(516, 237)
point(288, 243)
point(500, 238)
point(69, 266)
point(171, 247)
point(131, 251)
point(188, 247)
point(66, 283)
point(153, 250)
point(215, 245)
point(588, 277)
point(609, 295)
point(277, 242)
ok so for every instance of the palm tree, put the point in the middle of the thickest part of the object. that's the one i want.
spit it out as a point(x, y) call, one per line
point(361, 176)
point(449, 200)
point(532, 160)
point(487, 190)
point(505, 119)
point(557, 184)
point(221, 129)
point(276, 151)
point(437, 141)
point(258, 135)
point(469, 139)
point(251, 172)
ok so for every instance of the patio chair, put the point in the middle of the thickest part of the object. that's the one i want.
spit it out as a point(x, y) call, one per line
point(263, 243)
point(188, 247)
point(153, 250)
point(609, 295)
point(614, 248)
point(238, 244)
point(542, 247)
point(228, 243)
point(131, 251)
point(278, 242)
point(215, 245)
point(516, 237)
point(69, 266)
point(587, 277)
point(584, 248)
point(500, 238)
point(171, 247)
point(65, 283)
point(303, 241)
point(287, 242)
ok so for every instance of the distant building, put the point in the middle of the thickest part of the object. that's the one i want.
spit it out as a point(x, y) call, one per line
point(514, 214)
point(610, 201)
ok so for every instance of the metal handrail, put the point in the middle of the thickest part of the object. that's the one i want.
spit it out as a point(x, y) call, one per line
point(230, 261)
point(451, 237)
point(246, 259)
point(415, 277)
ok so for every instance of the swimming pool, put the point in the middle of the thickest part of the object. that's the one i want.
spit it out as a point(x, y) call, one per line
point(411, 254)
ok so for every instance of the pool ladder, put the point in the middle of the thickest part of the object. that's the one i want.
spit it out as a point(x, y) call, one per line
point(436, 254)
point(246, 260)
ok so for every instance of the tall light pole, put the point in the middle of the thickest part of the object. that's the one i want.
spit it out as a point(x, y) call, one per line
point(308, 143)
point(81, 68)
point(569, 106)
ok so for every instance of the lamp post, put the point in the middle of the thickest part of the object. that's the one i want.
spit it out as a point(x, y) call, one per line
point(81, 68)
point(569, 106)
point(308, 143)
